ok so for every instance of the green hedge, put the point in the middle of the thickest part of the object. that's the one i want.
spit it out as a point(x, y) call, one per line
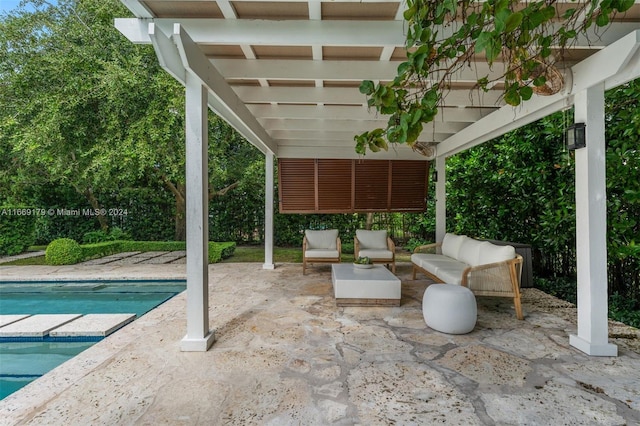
point(95, 250)
point(217, 251)
point(17, 229)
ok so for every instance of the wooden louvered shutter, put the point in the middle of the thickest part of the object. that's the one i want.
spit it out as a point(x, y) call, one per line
point(371, 185)
point(409, 185)
point(351, 186)
point(297, 185)
point(334, 185)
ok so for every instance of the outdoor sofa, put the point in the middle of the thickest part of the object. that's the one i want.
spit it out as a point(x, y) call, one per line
point(485, 268)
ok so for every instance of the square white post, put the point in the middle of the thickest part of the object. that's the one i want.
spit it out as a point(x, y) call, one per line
point(199, 337)
point(591, 228)
point(268, 212)
point(441, 198)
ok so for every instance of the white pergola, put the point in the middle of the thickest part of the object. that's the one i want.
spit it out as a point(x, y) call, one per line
point(285, 75)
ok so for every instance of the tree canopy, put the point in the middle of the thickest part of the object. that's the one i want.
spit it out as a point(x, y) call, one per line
point(84, 107)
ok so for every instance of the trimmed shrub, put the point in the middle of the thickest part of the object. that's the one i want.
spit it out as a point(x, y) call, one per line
point(17, 231)
point(93, 251)
point(63, 251)
point(219, 251)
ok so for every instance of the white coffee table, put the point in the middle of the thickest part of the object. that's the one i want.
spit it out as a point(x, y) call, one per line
point(364, 287)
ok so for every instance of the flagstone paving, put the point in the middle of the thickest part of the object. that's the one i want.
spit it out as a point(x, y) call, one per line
point(286, 355)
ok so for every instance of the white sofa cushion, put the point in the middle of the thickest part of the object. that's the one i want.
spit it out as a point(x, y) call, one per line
point(470, 251)
point(326, 239)
point(376, 254)
point(372, 239)
point(433, 262)
point(321, 254)
point(452, 274)
point(451, 244)
point(491, 253)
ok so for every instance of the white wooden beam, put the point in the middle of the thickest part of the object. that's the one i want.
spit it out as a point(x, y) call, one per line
point(168, 55)
point(605, 64)
point(268, 212)
point(601, 66)
point(263, 32)
point(591, 228)
point(198, 338)
point(339, 112)
point(138, 8)
point(334, 70)
point(395, 153)
point(441, 198)
point(346, 125)
point(328, 32)
point(284, 137)
point(225, 103)
point(351, 96)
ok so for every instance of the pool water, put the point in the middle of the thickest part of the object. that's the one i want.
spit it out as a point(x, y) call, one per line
point(21, 362)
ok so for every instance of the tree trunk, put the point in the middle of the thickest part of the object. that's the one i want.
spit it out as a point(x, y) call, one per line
point(95, 204)
point(181, 214)
point(179, 191)
point(180, 219)
point(369, 222)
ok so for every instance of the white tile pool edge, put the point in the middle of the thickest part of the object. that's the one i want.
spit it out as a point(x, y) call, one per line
point(98, 272)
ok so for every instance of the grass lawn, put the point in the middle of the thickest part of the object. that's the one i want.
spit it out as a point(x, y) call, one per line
point(289, 255)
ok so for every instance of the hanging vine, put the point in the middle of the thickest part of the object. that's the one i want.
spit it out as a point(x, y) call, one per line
point(446, 36)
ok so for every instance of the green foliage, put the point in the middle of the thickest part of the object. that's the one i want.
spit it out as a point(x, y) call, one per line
point(624, 309)
point(219, 251)
point(17, 229)
point(63, 251)
point(560, 287)
point(415, 242)
point(100, 249)
point(522, 35)
point(347, 247)
point(101, 236)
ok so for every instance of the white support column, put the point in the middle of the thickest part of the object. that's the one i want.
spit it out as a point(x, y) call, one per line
point(591, 227)
point(268, 212)
point(441, 199)
point(199, 337)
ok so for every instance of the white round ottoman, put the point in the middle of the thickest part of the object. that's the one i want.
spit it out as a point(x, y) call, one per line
point(449, 308)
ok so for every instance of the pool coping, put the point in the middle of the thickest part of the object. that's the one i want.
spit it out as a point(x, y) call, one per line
point(19, 273)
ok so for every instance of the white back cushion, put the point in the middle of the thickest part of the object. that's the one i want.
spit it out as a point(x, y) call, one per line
point(470, 251)
point(451, 244)
point(492, 253)
point(372, 239)
point(325, 239)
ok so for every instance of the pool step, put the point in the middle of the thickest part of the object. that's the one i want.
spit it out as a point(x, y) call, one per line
point(93, 325)
point(62, 325)
point(8, 319)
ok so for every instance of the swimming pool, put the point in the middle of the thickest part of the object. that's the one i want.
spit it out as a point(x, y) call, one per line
point(22, 361)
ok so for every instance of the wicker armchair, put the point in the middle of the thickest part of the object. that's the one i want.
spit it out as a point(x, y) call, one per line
point(375, 245)
point(320, 247)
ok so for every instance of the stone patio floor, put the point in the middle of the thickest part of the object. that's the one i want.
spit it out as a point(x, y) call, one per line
point(286, 355)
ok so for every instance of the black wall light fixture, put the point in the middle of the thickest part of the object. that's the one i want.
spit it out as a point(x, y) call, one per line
point(576, 136)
